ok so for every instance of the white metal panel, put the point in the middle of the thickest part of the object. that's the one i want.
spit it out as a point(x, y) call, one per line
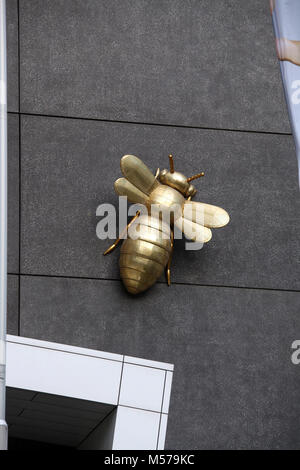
point(46, 377)
point(3, 221)
point(162, 432)
point(167, 392)
point(64, 347)
point(136, 429)
point(63, 373)
point(142, 387)
point(147, 363)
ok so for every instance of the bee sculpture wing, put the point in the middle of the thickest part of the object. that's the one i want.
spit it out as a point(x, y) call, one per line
point(198, 218)
point(123, 187)
point(205, 214)
point(138, 174)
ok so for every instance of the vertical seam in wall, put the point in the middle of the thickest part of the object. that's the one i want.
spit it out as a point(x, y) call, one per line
point(121, 376)
point(19, 58)
point(162, 403)
point(20, 209)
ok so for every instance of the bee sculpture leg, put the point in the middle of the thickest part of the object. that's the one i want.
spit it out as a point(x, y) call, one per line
point(168, 270)
point(115, 244)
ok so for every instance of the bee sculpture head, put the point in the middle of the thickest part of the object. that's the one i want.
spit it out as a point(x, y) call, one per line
point(177, 180)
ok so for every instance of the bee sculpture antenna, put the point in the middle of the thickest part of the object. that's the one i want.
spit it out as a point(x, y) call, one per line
point(171, 163)
point(198, 175)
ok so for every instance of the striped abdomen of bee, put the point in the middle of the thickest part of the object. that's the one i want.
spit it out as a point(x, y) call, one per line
point(145, 253)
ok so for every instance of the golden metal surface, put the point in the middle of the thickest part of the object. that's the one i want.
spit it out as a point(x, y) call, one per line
point(138, 174)
point(145, 249)
point(143, 260)
point(207, 215)
point(155, 222)
point(198, 175)
point(165, 198)
point(148, 249)
point(123, 187)
point(115, 244)
point(170, 259)
point(193, 231)
point(175, 180)
point(171, 161)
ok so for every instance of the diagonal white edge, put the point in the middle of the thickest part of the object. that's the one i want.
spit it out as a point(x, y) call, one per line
point(90, 352)
point(146, 362)
point(137, 390)
point(63, 347)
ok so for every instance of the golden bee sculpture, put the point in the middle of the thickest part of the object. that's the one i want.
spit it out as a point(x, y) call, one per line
point(144, 257)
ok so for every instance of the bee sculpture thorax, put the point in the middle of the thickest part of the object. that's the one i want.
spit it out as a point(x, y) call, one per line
point(166, 200)
point(145, 255)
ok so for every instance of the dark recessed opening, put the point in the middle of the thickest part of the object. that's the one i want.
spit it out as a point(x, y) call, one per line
point(27, 444)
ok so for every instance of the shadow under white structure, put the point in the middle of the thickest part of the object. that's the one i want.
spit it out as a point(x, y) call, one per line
point(85, 399)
